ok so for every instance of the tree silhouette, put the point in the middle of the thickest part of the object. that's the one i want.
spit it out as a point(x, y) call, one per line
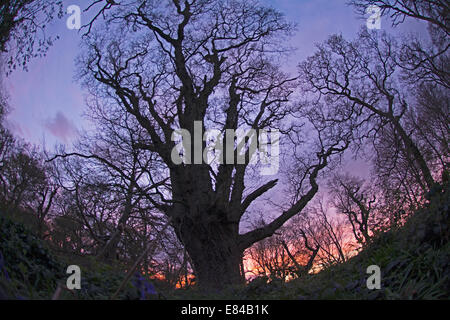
point(361, 79)
point(170, 65)
point(22, 29)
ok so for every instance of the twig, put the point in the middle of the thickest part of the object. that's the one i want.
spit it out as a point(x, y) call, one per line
point(149, 248)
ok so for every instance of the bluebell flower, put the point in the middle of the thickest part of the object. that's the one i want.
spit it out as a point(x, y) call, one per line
point(145, 288)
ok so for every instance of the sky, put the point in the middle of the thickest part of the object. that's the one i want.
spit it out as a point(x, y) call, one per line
point(47, 104)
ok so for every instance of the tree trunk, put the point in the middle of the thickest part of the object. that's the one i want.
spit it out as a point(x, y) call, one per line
point(215, 253)
point(109, 252)
point(414, 152)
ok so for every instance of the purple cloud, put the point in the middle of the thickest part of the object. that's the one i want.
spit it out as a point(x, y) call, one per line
point(61, 127)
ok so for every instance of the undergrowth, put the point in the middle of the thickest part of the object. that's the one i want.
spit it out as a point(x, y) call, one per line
point(414, 262)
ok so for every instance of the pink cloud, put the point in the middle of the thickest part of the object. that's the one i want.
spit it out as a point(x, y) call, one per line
point(61, 127)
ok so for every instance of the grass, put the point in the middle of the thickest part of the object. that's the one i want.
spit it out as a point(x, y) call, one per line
point(414, 261)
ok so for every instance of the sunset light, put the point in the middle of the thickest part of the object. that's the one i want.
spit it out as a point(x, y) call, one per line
point(224, 159)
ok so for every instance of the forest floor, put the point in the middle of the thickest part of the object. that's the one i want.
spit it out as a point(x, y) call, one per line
point(414, 260)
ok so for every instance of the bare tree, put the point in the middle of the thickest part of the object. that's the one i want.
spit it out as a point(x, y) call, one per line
point(435, 12)
point(300, 247)
point(92, 202)
point(22, 29)
point(169, 65)
point(45, 193)
point(430, 121)
point(421, 60)
point(288, 254)
point(330, 233)
point(21, 176)
point(357, 202)
point(128, 174)
point(361, 79)
point(173, 263)
point(7, 143)
point(268, 257)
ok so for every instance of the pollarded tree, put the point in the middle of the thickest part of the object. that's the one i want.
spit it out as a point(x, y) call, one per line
point(201, 64)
